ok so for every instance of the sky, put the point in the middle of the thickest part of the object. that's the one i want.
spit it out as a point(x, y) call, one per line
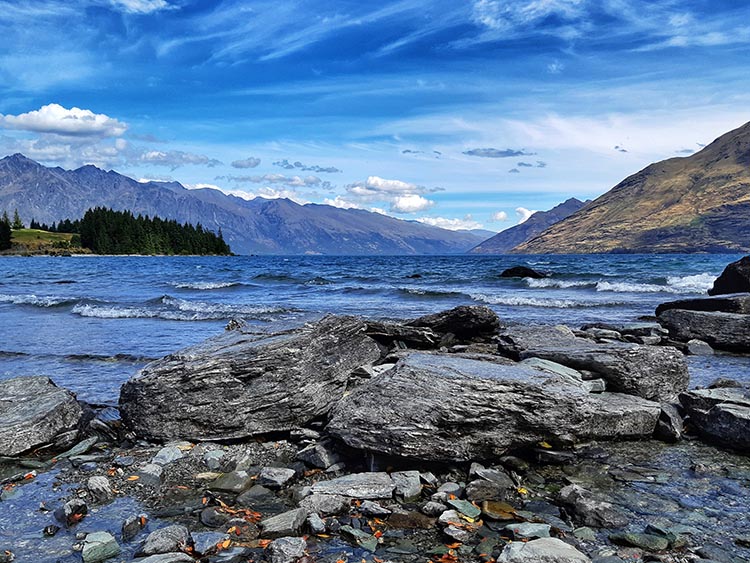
point(460, 114)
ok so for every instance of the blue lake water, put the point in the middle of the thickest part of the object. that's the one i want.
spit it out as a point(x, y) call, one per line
point(91, 322)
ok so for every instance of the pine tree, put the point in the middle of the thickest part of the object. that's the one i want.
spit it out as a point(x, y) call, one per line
point(17, 223)
point(5, 233)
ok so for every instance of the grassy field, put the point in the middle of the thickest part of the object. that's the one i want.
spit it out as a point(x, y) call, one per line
point(33, 240)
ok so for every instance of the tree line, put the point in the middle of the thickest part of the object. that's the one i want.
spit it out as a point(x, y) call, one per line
point(106, 231)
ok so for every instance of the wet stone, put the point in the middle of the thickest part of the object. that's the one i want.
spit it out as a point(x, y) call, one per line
point(99, 546)
point(100, 488)
point(213, 517)
point(206, 543)
point(528, 530)
point(408, 483)
point(286, 524)
point(132, 526)
point(358, 485)
point(166, 540)
point(459, 534)
point(167, 455)
point(262, 500)
point(433, 508)
point(465, 507)
point(235, 554)
point(543, 550)
point(275, 477)
point(316, 524)
point(370, 508)
point(360, 538)
point(123, 461)
point(233, 482)
point(410, 520)
point(175, 557)
point(287, 550)
point(150, 474)
point(72, 512)
point(647, 542)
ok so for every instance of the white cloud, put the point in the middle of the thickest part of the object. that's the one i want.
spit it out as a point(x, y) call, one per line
point(466, 223)
point(290, 181)
point(175, 159)
point(55, 119)
point(201, 186)
point(341, 203)
point(250, 162)
point(410, 203)
point(523, 214)
point(141, 6)
point(500, 216)
point(375, 187)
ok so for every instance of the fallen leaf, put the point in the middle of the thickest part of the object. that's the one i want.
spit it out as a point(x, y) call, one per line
point(545, 445)
point(133, 478)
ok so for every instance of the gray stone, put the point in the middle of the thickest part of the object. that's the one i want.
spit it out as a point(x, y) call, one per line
point(720, 415)
point(123, 461)
point(458, 534)
point(262, 500)
point(528, 530)
point(723, 331)
point(275, 477)
point(238, 385)
point(408, 483)
point(233, 482)
point(213, 458)
point(543, 550)
point(319, 455)
point(99, 488)
point(450, 488)
point(72, 512)
point(480, 490)
point(492, 408)
point(287, 550)
point(150, 474)
point(360, 538)
point(647, 542)
point(207, 543)
point(166, 540)
point(739, 304)
point(376, 485)
point(388, 334)
point(670, 426)
point(99, 546)
point(316, 524)
point(33, 411)
point(465, 321)
point(285, 524)
point(588, 510)
point(167, 558)
point(465, 507)
point(167, 455)
point(449, 517)
point(371, 508)
point(432, 508)
point(734, 279)
point(654, 373)
point(697, 347)
point(325, 505)
point(132, 526)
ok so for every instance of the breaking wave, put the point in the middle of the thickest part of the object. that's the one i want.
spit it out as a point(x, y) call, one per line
point(699, 283)
point(205, 285)
point(518, 301)
point(36, 301)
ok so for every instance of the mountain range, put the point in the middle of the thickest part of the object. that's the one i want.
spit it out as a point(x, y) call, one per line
point(699, 203)
point(257, 226)
point(505, 241)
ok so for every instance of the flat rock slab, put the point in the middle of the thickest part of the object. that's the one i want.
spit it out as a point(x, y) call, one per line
point(654, 373)
point(543, 550)
point(737, 303)
point(239, 385)
point(376, 485)
point(723, 331)
point(444, 408)
point(720, 415)
point(33, 411)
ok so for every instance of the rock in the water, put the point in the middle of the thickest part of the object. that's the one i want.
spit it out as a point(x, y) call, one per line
point(287, 550)
point(648, 542)
point(275, 477)
point(72, 512)
point(167, 455)
point(723, 331)
point(99, 546)
point(33, 412)
point(670, 426)
point(239, 385)
point(233, 482)
point(100, 488)
point(739, 304)
point(176, 557)
point(132, 526)
point(697, 347)
point(587, 510)
point(721, 415)
point(543, 550)
point(528, 530)
point(285, 524)
point(445, 408)
point(654, 373)
point(207, 543)
point(358, 485)
point(522, 272)
point(167, 540)
point(734, 279)
point(466, 322)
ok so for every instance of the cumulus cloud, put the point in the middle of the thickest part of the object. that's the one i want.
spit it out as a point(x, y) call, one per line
point(463, 224)
point(411, 203)
point(375, 187)
point(497, 153)
point(286, 165)
point(250, 162)
point(141, 6)
point(523, 214)
point(500, 216)
point(57, 120)
point(175, 159)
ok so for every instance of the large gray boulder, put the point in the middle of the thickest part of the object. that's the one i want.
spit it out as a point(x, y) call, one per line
point(543, 550)
point(739, 303)
point(723, 331)
point(465, 321)
point(720, 415)
point(239, 385)
point(447, 408)
point(734, 279)
point(654, 373)
point(33, 411)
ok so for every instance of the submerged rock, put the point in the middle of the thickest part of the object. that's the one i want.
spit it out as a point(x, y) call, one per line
point(445, 408)
point(734, 279)
point(239, 385)
point(522, 272)
point(33, 412)
point(99, 546)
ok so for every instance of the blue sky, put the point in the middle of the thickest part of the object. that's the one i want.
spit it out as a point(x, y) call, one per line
point(461, 114)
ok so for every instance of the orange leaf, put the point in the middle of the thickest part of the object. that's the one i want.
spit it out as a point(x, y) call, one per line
point(143, 521)
point(263, 543)
point(133, 478)
point(225, 544)
point(378, 534)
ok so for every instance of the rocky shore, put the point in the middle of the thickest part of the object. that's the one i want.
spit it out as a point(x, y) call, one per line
point(448, 438)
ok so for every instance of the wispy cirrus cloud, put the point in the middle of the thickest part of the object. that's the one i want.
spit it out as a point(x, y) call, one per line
point(498, 153)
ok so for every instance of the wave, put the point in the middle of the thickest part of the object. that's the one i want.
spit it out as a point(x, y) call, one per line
point(278, 278)
point(36, 301)
point(319, 281)
point(544, 283)
point(519, 301)
point(420, 292)
point(205, 285)
point(699, 283)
